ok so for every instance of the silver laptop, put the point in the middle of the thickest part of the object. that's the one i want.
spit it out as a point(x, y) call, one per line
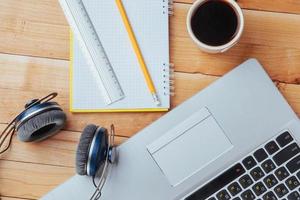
point(236, 139)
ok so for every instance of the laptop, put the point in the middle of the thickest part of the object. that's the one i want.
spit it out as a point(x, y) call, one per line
point(236, 139)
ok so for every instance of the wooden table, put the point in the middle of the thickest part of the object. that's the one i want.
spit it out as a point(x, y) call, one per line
point(34, 54)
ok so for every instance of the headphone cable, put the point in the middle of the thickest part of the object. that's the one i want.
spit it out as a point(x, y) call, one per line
point(11, 130)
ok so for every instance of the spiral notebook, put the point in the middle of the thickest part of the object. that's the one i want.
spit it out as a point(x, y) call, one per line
point(150, 22)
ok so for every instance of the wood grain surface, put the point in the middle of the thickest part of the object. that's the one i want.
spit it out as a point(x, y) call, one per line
point(34, 54)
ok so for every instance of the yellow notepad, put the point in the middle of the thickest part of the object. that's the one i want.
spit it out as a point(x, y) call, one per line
point(150, 22)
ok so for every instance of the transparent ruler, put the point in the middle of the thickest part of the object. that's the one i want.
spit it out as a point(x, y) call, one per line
point(93, 50)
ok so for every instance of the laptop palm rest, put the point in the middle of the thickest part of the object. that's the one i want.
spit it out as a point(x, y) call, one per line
point(189, 146)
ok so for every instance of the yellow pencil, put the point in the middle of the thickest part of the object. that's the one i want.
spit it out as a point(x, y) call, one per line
point(137, 51)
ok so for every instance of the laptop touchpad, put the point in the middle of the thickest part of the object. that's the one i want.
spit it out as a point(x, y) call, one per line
point(189, 146)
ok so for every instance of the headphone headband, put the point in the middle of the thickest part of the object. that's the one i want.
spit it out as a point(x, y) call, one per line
point(33, 105)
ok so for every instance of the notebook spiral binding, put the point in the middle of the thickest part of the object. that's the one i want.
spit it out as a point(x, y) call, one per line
point(169, 79)
point(171, 7)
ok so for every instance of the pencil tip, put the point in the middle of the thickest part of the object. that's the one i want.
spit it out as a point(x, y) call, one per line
point(156, 100)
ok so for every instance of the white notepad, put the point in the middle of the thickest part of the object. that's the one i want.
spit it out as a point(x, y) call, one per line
point(150, 22)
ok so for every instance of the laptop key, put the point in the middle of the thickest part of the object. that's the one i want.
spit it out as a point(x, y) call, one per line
point(286, 154)
point(270, 181)
point(259, 188)
point(249, 162)
point(248, 195)
point(292, 182)
point(281, 173)
point(223, 195)
point(260, 155)
point(245, 181)
point(294, 164)
point(257, 173)
point(271, 147)
point(294, 196)
point(298, 175)
point(268, 166)
point(212, 198)
point(269, 196)
point(281, 190)
point(236, 198)
point(234, 188)
point(284, 139)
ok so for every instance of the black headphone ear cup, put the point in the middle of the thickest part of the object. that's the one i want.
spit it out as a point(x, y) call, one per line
point(41, 126)
point(83, 148)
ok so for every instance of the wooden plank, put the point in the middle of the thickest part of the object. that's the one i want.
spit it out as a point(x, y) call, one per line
point(285, 6)
point(49, 37)
point(12, 198)
point(262, 39)
point(281, 64)
point(21, 72)
point(59, 150)
point(291, 93)
point(33, 27)
point(27, 180)
point(34, 78)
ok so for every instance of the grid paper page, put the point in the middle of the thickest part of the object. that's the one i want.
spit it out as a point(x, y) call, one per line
point(149, 20)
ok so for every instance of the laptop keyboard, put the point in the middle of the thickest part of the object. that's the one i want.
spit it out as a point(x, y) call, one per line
point(271, 172)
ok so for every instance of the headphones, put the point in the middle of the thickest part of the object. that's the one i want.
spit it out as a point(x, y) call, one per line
point(41, 119)
point(95, 152)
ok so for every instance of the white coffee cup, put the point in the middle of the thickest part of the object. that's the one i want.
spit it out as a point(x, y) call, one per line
point(223, 47)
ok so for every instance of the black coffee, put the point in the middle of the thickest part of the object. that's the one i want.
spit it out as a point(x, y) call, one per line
point(214, 23)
